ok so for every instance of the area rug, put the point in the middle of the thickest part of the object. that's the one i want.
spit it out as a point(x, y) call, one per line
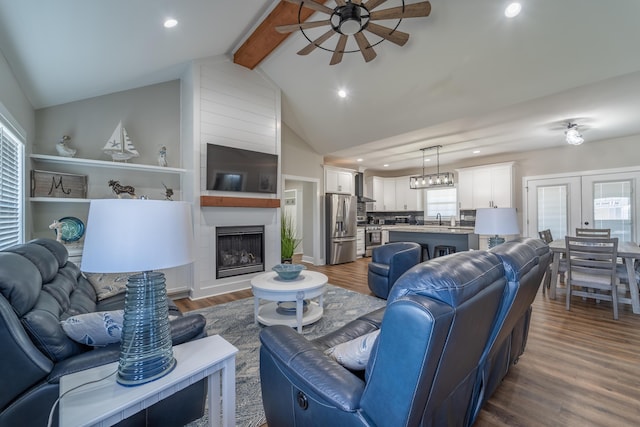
point(234, 322)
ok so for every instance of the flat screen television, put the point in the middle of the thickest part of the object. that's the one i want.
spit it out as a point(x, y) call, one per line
point(235, 169)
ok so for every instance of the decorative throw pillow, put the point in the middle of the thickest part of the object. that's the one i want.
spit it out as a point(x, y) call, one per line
point(107, 284)
point(354, 354)
point(96, 329)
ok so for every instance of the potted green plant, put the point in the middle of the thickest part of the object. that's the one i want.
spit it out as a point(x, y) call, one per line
point(289, 240)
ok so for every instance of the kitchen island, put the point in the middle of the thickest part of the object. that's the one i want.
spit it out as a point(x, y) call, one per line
point(463, 238)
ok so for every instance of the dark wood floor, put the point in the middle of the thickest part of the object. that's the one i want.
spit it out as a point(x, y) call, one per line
point(580, 367)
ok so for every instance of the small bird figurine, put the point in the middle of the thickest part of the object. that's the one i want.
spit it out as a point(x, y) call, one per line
point(63, 149)
point(162, 156)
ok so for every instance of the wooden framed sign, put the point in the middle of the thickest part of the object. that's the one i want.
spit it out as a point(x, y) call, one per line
point(57, 184)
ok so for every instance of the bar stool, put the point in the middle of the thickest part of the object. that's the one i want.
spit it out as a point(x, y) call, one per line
point(425, 252)
point(442, 250)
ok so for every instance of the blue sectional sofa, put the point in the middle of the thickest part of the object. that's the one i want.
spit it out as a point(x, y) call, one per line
point(450, 330)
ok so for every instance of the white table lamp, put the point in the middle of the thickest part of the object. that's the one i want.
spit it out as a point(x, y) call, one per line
point(132, 236)
point(495, 222)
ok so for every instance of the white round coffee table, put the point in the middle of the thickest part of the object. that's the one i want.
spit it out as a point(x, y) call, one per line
point(308, 285)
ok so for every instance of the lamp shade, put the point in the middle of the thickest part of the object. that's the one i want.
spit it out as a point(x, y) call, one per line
point(497, 221)
point(132, 235)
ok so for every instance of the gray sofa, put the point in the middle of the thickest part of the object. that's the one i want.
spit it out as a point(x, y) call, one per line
point(39, 288)
point(450, 330)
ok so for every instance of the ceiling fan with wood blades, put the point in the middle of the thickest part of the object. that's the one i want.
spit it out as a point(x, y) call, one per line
point(353, 18)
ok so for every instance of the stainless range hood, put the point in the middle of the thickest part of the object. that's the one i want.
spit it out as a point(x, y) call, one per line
point(360, 189)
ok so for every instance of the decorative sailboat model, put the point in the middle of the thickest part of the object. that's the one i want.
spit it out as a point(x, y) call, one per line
point(119, 146)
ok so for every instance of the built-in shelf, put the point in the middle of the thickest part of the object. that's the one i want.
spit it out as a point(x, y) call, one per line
point(238, 202)
point(59, 199)
point(104, 164)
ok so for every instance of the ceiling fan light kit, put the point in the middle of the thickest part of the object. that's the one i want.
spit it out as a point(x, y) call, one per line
point(353, 18)
point(573, 135)
point(439, 179)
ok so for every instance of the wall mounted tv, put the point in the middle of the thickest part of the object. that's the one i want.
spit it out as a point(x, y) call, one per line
point(235, 169)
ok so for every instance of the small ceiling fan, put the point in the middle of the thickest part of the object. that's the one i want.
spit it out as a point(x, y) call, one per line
point(352, 18)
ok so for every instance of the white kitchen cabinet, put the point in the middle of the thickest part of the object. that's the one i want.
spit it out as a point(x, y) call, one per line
point(360, 242)
point(375, 190)
point(393, 194)
point(406, 198)
point(389, 185)
point(338, 181)
point(486, 186)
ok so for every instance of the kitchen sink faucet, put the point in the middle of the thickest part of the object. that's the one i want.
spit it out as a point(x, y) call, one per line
point(439, 218)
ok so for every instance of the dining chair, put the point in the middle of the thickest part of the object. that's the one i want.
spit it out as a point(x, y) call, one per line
point(547, 237)
point(604, 233)
point(591, 269)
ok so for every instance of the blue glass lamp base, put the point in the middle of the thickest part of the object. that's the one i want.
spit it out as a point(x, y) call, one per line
point(495, 241)
point(146, 351)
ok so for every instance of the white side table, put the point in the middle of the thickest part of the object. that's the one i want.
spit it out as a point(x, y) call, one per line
point(106, 402)
point(268, 286)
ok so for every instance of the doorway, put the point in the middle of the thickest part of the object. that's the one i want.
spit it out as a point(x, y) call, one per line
point(301, 202)
point(601, 199)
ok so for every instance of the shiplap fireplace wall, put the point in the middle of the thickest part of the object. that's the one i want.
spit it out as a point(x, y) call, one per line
point(226, 104)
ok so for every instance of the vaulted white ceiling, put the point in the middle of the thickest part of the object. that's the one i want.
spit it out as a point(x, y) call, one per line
point(468, 78)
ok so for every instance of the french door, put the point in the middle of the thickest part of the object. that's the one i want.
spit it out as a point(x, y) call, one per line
point(554, 204)
point(604, 200)
point(608, 202)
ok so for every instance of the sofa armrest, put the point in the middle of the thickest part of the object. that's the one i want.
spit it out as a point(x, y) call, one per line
point(187, 328)
point(183, 329)
point(309, 369)
point(364, 324)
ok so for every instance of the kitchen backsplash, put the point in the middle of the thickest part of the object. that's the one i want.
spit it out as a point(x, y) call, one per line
point(399, 217)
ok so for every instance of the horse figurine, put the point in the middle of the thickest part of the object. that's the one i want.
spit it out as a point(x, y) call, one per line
point(57, 225)
point(120, 189)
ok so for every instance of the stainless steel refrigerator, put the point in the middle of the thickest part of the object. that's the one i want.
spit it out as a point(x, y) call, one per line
point(341, 228)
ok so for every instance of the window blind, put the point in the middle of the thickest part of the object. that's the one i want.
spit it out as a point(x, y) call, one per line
point(553, 213)
point(441, 201)
point(11, 188)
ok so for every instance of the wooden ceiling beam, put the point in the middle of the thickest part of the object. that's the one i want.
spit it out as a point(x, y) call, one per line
point(265, 38)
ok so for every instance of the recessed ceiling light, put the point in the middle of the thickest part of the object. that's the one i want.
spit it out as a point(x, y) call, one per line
point(476, 151)
point(513, 10)
point(386, 165)
point(359, 160)
point(170, 23)
point(342, 93)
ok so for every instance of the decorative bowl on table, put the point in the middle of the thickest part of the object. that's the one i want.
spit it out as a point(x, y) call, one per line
point(288, 271)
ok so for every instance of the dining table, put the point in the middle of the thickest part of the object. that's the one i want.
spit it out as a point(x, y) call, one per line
point(628, 251)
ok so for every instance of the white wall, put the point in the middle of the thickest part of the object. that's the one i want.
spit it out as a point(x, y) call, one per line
point(227, 104)
point(299, 159)
point(16, 108)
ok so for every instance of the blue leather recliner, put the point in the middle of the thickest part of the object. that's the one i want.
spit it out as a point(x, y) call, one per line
point(38, 289)
point(388, 263)
point(440, 353)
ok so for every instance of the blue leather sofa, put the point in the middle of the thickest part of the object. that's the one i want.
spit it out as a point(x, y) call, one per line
point(388, 263)
point(38, 289)
point(451, 327)
point(508, 343)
